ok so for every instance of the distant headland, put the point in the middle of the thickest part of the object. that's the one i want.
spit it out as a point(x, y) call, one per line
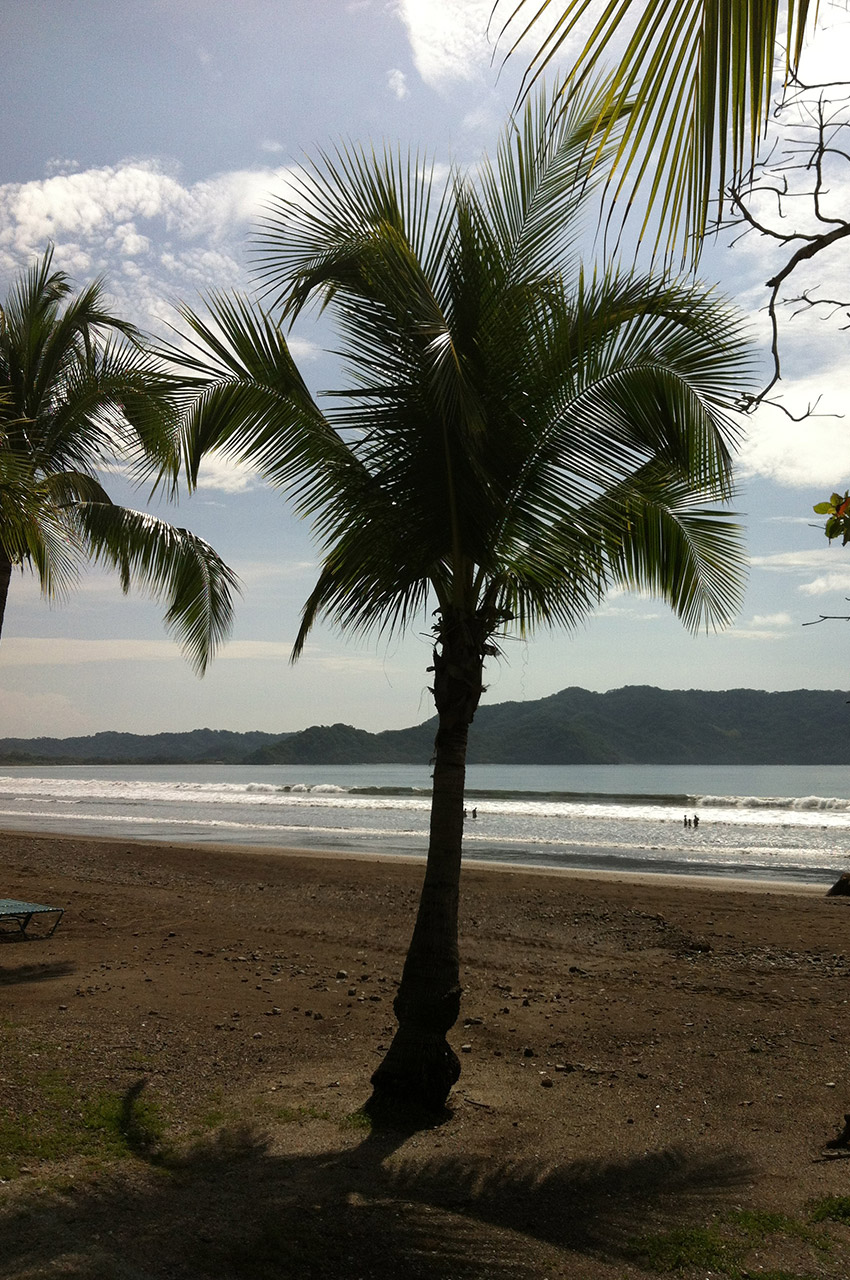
point(638, 724)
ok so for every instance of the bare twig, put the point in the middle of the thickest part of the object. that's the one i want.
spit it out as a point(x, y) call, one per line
point(812, 139)
point(828, 617)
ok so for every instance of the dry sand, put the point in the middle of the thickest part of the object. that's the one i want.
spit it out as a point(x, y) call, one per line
point(637, 1054)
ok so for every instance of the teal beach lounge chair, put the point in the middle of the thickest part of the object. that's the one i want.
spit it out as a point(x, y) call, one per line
point(21, 913)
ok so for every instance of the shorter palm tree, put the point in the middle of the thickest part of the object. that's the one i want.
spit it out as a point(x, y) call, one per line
point(77, 391)
point(513, 439)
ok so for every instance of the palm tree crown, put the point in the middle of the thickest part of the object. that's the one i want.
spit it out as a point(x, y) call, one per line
point(511, 427)
point(78, 390)
point(514, 436)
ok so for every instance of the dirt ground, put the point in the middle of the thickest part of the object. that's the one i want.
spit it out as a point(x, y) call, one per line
point(651, 1071)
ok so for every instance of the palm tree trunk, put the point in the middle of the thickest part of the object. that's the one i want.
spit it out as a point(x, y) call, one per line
point(5, 579)
point(420, 1067)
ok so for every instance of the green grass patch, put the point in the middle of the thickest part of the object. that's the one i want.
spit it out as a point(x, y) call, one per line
point(356, 1122)
point(781, 1274)
point(297, 1115)
point(63, 1126)
point(127, 1123)
point(757, 1224)
point(687, 1247)
point(676, 1252)
point(831, 1209)
point(722, 1247)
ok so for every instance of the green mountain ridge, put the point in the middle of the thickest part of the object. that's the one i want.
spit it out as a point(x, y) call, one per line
point(196, 746)
point(638, 724)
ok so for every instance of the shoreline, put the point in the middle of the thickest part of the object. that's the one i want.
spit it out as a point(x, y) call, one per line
point(759, 847)
point(273, 853)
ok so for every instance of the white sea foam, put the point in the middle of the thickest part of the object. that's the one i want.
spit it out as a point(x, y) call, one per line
point(822, 804)
point(544, 816)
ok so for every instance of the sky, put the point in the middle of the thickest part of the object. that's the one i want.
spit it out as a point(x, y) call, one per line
point(144, 138)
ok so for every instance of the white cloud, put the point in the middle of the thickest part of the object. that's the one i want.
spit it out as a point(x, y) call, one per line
point(771, 620)
point(485, 118)
point(397, 84)
point(303, 349)
point(344, 663)
point(155, 237)
point(802, 561)
point(616, 611)
point(255, 651)
point(838, 581)
point(813, 453)
point(226, 475)
point(834, 575)
point(762, 626)
point(448, 38)
point(753, 633)
point(84, 204)
point(228, 202)
point(262, 572)
point(60, 164)
point(813, 340)
point(825, 53)
point(36, 651)
point(462, 40)
point(806, 520)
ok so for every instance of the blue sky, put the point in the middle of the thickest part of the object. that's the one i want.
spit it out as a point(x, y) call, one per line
point(143, 137)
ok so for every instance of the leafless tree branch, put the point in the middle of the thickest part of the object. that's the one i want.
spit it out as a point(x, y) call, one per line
point(827, 617)
point(814, 138)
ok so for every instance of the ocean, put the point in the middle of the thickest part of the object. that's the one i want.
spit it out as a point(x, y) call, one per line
point(783, 823)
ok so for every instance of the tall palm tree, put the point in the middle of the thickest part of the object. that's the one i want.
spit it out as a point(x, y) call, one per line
point(698, 76)
point(78, 390)
point(514, 437)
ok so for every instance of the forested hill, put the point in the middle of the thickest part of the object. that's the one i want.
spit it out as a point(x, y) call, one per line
point(634, 725)
point(643, 725)
point(200, 746)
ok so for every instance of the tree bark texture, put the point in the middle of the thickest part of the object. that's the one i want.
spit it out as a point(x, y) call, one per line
point(5, 579)
point(420, 1067)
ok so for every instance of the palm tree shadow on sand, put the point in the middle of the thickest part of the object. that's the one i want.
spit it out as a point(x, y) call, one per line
point(232, 1207)
point(44, 971)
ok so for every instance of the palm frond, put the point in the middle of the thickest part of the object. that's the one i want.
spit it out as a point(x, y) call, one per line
point(244, 398)
point(33, 528)
point(546, 170)
point(169, 563)
point(347, 202)
point(694, 75)
point(686, 554)
point(361, 589)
